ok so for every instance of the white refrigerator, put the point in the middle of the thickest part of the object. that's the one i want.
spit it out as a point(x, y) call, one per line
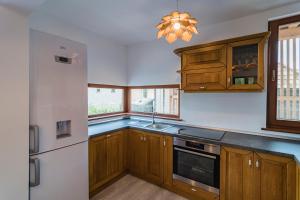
point(58, 159)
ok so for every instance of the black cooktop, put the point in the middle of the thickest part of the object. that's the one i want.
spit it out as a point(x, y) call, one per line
point(201, 133)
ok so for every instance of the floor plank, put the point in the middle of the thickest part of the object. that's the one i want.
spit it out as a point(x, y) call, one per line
point(130, 187)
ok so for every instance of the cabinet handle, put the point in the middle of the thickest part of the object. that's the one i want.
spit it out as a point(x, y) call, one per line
point(141, 138)
point(194, 190)
point(202, 87)
point(108, 135)
point(250, 162)
point(229, 79)
point(145, 138)
point(257, 164)
point(164, 142)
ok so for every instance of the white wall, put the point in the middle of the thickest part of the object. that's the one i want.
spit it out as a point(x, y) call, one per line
point(14, 106)
point(107, 60)
point(155, 63)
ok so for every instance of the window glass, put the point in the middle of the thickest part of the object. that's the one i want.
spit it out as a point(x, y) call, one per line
point(159, 100)
point(288, 71)
point(105, 100)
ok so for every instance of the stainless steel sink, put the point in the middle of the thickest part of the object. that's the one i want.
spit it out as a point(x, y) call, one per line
point(158, 126)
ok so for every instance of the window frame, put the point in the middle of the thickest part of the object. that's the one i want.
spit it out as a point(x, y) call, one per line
point(169, 116)
point(125, 99)
point(272, 122)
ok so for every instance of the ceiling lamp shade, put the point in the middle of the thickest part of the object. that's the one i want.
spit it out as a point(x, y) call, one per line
point(177, 25)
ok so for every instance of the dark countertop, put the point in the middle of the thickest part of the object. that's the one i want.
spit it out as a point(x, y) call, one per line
point(282, 147)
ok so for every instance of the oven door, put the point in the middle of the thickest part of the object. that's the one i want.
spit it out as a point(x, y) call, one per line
point(197, 168)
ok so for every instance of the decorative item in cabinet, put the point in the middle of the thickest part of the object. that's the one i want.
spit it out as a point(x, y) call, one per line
point(245, 64)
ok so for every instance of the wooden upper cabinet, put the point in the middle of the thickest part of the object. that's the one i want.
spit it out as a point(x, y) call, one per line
point(245, 64)
point(204, 79)
point(236, 174)
point(206, 57)
point(230, 65)
point(275, 177)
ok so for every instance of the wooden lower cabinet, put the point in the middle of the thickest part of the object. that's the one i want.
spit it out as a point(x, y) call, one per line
point(146, 155)
point(236, 174)
point(275, 177)
point(244, 175)
point(154, 158)
point(136, 153)
point(168, 162)
point(247, 175)
point(298, 183)
point(98, 169)
point(106, 159)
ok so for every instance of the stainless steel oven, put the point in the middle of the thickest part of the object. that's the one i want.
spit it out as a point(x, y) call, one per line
point(197, 163)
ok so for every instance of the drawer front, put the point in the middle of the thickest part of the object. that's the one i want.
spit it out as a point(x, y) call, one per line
point(193, 192)
point(202, 58)
point(204, 80)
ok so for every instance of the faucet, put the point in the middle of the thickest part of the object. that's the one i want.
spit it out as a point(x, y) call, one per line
point(153, 112)
point(153, 117)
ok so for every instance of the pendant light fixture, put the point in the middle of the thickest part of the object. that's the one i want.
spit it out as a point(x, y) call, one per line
point(177, 25)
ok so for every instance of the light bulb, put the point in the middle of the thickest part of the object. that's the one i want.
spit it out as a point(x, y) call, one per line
point(176, 25)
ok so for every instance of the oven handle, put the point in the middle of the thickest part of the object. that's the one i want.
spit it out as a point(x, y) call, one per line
point(195, 153)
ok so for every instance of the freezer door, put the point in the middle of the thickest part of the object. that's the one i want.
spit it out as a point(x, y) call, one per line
point(58, 90)
point(62, 174)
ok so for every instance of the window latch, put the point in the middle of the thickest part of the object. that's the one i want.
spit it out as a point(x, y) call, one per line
point(273, 75)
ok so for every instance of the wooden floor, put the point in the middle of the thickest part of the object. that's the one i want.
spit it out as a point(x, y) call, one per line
point(130, 187)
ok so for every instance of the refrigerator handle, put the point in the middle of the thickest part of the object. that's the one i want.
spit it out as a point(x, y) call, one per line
point(36, 179)
point(35, 140)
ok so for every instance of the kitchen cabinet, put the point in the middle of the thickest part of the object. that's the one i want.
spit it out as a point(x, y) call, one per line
point(203, 58)
point(275, 177)
point(154, 158)
point(97, 162)
point(115, 162)
point(168, 162)
point(248, 175)
point(236, 174)
point(137, 152)
point(106, 159)
point(245, 66)
point(146, 155)
point(211, 79)
point(298, 183)
point(235, 64)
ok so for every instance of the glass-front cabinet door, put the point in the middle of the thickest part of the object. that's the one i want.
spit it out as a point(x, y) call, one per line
point(245, 67)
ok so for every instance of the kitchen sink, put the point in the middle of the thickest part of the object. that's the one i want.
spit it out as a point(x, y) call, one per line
point(158, 126)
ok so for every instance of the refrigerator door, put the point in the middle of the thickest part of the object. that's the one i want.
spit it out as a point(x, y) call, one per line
point(58, 90)
point(61, 174)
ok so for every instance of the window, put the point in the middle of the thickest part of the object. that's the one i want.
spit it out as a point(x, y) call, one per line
point(164, 100)
point(105, 99)
point(284, 75)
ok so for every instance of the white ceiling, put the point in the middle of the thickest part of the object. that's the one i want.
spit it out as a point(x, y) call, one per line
point(132, 21)
point(24, 6)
